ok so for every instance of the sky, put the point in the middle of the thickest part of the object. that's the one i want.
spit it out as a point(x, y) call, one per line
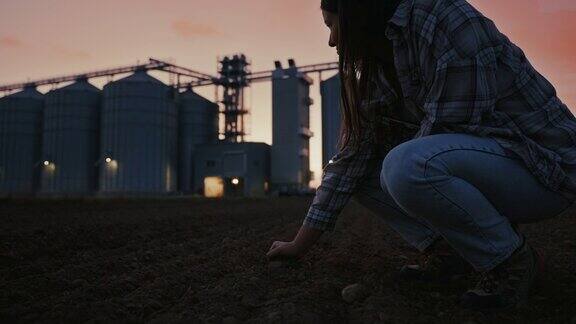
point(48, 38)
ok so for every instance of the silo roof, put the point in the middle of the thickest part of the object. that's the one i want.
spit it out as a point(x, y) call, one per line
point(140, 76)
point(190, 94)
point(80, 85)
point(28, 92)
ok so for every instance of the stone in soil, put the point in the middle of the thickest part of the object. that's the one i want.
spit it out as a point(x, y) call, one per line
point(354, 292)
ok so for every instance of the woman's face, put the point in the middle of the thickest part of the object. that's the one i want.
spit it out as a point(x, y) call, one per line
point(331, 20)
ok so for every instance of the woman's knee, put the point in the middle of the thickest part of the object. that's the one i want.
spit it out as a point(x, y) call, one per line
point(406, 164)
point(401, 169)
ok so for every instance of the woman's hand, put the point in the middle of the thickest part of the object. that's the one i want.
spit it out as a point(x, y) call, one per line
point(284, 249)
point(303, 241)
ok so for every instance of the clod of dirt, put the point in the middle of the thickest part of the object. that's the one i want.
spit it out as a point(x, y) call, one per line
point(79, 283)
point(354, 292)
point(274, 317)
point(250, 301)
point(276, 265)
point(309, 317)
point(288, 308)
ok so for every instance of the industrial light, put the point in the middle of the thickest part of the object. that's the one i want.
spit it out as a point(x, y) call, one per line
point(108, 160)
point(46, 163)
point(331, 161)
point(235, 181)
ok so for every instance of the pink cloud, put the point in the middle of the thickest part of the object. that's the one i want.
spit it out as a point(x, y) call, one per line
point(8, 41)
point(189, 29)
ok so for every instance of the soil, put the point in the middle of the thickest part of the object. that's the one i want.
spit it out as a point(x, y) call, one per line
point(192, 260)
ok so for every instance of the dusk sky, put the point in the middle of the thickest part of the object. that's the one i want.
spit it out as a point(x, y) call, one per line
point(47, 38)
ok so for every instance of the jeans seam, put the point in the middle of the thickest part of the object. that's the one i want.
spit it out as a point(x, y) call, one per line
point(469, 149)
point(391, 206)
point(450, 201)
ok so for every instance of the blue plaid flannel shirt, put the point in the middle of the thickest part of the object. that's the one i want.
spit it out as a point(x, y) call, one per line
point(466, 77)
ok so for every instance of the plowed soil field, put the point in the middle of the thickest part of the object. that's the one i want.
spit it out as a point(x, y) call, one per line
point(198, 260)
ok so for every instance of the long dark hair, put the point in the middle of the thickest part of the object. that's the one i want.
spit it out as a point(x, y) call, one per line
point(361, 25)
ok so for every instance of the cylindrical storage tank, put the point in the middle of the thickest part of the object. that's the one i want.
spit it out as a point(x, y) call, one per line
point(198, 124)
point(20, 140)
point(330, 91)
point(138, 147)
point(70, 140)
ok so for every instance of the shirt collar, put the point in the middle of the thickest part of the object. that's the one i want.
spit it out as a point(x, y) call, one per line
point(400, 18)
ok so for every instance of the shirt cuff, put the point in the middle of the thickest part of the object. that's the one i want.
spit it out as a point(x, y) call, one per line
point(316, 219)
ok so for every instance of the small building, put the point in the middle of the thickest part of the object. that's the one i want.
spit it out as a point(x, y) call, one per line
point(232, 169)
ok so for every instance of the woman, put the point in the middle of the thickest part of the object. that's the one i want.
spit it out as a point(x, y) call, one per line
point(450, 135)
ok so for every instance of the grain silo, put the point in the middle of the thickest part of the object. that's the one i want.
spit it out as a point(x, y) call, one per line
point(290, 154)
point(20, 139)
point(70, 140)
point(330, 91)
point(198, 124)
point(138, 147)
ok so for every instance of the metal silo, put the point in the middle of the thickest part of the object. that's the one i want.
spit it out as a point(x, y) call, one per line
point(198, 124)
point(20, 136)
point(70, 139)
point(290, 154)
point(138, 137)
point(330, 90)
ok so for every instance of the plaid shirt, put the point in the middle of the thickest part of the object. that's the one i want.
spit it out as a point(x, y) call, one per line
point(465, 77)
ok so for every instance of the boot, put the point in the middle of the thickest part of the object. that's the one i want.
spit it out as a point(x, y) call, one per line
point(441, 264)
point(507, 285)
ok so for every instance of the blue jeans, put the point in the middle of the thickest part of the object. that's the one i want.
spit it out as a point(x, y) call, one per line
point(464, 188)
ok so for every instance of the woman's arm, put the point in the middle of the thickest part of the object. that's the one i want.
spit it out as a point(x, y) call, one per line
point(340, 179)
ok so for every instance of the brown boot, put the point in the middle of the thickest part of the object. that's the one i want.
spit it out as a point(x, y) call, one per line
point(508, 284)
point(441, 264)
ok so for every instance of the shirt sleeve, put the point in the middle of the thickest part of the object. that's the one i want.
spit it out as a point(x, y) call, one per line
point(460, 53)
point(340, 179)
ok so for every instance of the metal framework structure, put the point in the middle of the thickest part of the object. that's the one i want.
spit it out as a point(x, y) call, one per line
point(234, 77)
point(267, 75)
point(153, 64)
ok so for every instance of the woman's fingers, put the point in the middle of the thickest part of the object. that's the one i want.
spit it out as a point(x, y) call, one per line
point(273, 251)
point(274, 245)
